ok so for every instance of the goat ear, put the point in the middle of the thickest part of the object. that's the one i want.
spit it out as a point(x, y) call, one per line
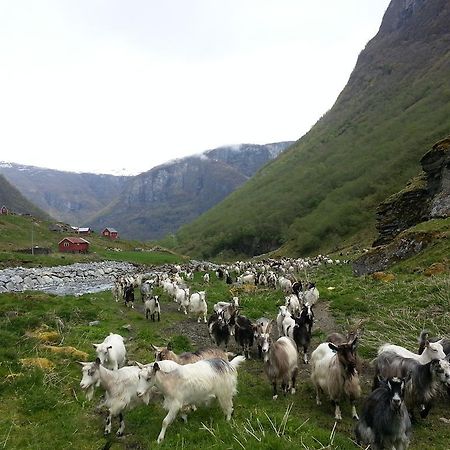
point(157, 349)
point(332, 346)
point(156, 367)
point(82, 363)
point(141, 366)
point(355, 342)
point(97, 361)
point(427, 343)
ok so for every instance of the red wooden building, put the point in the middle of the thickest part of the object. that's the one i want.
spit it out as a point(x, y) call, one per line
point(73, 245)
point(110, 233)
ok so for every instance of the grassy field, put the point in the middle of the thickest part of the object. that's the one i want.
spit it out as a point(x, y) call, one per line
point(20, 232)
point(44, 408)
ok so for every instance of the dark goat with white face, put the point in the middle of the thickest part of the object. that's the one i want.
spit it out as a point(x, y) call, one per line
point(384, 422)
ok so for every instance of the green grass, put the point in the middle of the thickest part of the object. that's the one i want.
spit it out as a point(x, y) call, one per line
point(19, 232)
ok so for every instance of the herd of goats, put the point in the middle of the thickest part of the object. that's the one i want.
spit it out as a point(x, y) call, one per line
point(404, 381)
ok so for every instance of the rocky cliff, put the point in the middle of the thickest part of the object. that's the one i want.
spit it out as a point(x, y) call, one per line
point(425, 197)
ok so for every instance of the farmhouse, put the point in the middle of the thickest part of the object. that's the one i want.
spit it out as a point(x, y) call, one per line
point(73, 245)
point(110, 233)
point(84, 230)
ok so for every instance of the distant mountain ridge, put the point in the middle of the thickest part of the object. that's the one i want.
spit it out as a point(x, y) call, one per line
point(151, 204)
point(156, 203)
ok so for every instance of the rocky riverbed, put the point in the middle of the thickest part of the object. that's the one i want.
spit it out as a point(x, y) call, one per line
point(75, 279)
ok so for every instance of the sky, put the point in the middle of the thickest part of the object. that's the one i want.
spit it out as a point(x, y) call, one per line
point(109, 86)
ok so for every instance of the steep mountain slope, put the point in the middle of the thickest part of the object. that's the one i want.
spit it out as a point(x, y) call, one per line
point(325, 188)
point(158, 202)
point(16, 202)
point(68, 196)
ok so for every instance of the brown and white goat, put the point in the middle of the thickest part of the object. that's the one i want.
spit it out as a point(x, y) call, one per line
point(166, 353)
point(334, 372)
point(280, 362)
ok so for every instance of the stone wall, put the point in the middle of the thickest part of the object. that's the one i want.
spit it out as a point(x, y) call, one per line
point(72, 279)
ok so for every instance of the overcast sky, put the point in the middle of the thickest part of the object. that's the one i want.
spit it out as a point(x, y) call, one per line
point(105, 86)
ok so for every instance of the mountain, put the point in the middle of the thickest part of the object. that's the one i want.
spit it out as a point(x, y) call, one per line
point(68, 196)
point(15, 202)
point(323, 191)
point(156, 203)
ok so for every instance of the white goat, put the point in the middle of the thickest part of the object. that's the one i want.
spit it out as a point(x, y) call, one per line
point(206, 278)
point(333, 370)
point(112, 352)
point(285, 284)
point(198, 306)
point(120, 387)
point(292, 304)
point(282, 313)
point(433, 350)
point(182, 297)
point(192, 384)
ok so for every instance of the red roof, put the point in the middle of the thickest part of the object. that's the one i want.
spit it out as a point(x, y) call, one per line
point(74, 240)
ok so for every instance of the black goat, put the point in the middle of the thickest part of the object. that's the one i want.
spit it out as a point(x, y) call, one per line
point(244, 334)
point(219, 330)
point(384, 422)
point(302, 333)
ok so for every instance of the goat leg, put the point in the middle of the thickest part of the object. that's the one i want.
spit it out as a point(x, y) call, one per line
point(121, 426)
point(170, 417)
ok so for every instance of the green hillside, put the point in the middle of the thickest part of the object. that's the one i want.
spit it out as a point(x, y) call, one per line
point(16, 202)
point(324, 190)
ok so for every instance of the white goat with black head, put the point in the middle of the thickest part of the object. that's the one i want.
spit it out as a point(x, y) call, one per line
point(333, 371)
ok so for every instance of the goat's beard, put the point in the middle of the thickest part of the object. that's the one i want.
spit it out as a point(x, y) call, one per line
point(89, 392)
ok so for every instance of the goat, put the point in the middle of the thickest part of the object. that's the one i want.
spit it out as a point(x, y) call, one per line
point(282, 314)
point(206, 278)
point(152, 307)
point(262, 327)
point(120, 386)
point(198, 305)
point(292, 304)
point(244, 334)
point(301, 333)
point(218, 328)
point(166, 353)
point(280, 362)
point(146, 290)
point(111, 352)
point(297, 287)
point(285, 284)
point(423, 381)
point(192, 384)
point(432, 350)
point(424, 337)
point(128, 295)
point(248, 278)
point(311, 294)
point(385, 423)
point(334, 371)
point(181, 296)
